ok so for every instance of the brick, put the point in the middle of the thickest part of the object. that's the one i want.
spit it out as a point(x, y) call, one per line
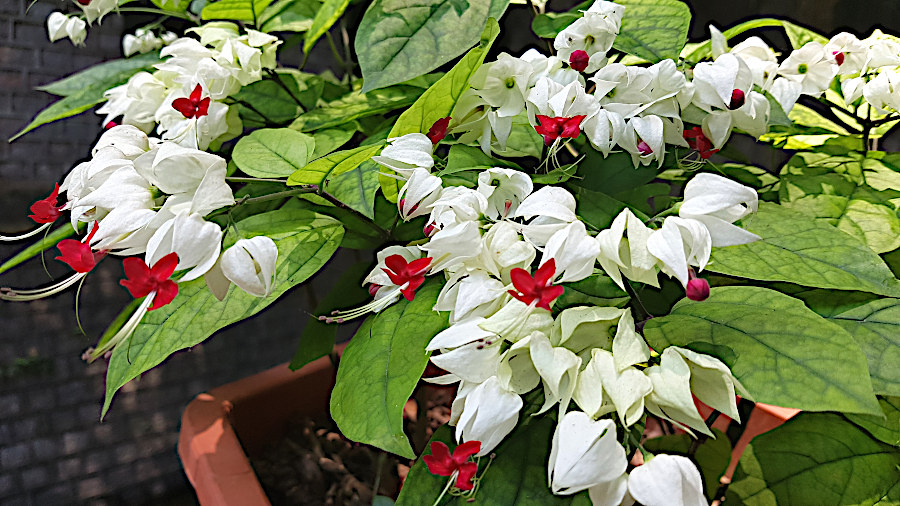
point(58, 494)
point(69, 468)
point(44, 449)
point(36, 477)
point(25, 429)
point(74, 442)
point(8, 485)
point(9, 406)
point(14, 457)
point(91, 487)
point(97, 461)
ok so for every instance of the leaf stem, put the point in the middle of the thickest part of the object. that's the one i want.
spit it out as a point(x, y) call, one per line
point(277, 78)
point(638, 305)
point(444, 492)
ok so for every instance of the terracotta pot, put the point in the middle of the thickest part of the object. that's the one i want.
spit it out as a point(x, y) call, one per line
point(220, 428)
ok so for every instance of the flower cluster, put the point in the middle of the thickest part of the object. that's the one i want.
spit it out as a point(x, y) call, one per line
point(186, 95)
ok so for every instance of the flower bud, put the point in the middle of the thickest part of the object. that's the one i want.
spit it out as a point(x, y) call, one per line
point(697, 289)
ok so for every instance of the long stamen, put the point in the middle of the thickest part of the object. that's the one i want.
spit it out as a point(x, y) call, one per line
point(372, 307)
point(12, 294)
point(126, 330)
point(26, 235)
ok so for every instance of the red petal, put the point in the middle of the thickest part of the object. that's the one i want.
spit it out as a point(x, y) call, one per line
point(548, 295)
point(202, 108)
point(522, 280)
point(417, 267)
point(525, 299)
point(572, 127)
point(438, 130)
point(439, 462)
point(164, 267)
point(76, 254)
point(184, 106)
point(165, 292)
point(545, 273)
point(394, 277)
point(138, 280)
point(398, 264)
point(579, 60)
point(466, 473)
point(462, 452)
point(196, 94)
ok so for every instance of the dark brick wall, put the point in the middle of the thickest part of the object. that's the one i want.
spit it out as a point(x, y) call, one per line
point(53, 448)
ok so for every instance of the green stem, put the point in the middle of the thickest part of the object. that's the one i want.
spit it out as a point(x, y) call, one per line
point(382, 457)
point(277, 79)
point(278, 195)
point(444, 492)
point(255, 110)
point(254, 180)
point(638, 305)
point(334, 200)
point(150, 10)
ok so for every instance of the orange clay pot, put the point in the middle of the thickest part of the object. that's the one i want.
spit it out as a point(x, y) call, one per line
point(220, 428)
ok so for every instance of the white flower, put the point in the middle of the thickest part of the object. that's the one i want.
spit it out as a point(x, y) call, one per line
point(550, 98)
point(96, 9)
point(470, 294)
point(516, 370)
point(503, 84)
point(581, 328)
point(574, 251)
point(627, 256)
point(848, 52)
point(717, 202)
point(584, 453)
point(594, 34)
point(549, 210)
point(558, 368)
point(667, 480)
point(416, 196)
point(683, 372)
point(603, 388)
point(503, 250)
point(643, 138)
point(196, 242)
point(192, 63)
point(679, 243)
point(454, 244)
point(130, 141)
point(504, 190)
point(142, 41)
point(810, 67)
point(406, 153)
point(488, 414)
point(60, 26)
point(250, 264)
point(136, 101)
point(472, 362)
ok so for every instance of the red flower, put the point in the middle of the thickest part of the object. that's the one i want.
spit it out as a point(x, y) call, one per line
point(538, 288)
point(737, 99)
point(402, 272)
point(78, 254)
point(696, 139)
point(554, 128)
point(838, 57)
point(142, 280)
point(579, 60)
point(438, 130)
point(46, 210)
point(441, 463)
point(192, 107)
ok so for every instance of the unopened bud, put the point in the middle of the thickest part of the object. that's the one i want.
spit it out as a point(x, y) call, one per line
point(579, 60)
point(373, 289)
point(429, 229)
point(737, 99)
point(697, 289)
point(838, 57)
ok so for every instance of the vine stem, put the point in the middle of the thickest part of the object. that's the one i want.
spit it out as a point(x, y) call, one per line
point(638, 304)
point(149, 10)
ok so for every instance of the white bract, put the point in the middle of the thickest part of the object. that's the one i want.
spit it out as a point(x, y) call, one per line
point(667, 480)
point(584, 453)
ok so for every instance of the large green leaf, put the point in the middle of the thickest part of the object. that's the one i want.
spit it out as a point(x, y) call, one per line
point(289, 16)
point(236, 10)
point(548, 25)
point(876, 327)
point(327, 15)
point(380, 368)
point(318, 337)
point(85, 89)
point(42, 244)
point(834, 189)
point(653, 29)
point(335, 164)
point(273, 152)
point(886, 427)
point(816, 459)
point(611, 174)
point(330, 139)
point(266, 101)
point(357, 105)
point(109, 73)
point(356, 187)
point(517, 475)
point(598, 289)
point(397, 41)
point(439, 100)
point(712, 456)
point(797, 249)
point(782, 352)
point(598, 210)
point(305, 241)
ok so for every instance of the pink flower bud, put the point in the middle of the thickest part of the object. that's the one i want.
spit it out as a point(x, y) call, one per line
point(697, 289)
point(579, 60)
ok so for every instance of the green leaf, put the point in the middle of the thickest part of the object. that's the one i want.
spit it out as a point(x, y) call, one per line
point(357, 105)
point(289, 16)
point(548, 25)
point(236, 10)
point(611, 174)
point(330, 139)
point(799, 35)
point(598, 210)
point(523, 140)
point(557, 175)
point(463, 158)
point(784, 353)
point(816, 459)
point(598, 289)
point(42, 244)
point(653, 29)
point(318, 337)
point(697, 52)
point(380, 368)
point(397, 41)
point(111, 73)
point(332, 165)
point(797, 249)
point(885, 428)
point(517, 476)
point(172, 5)
point(266, 102)
point(712, 455)
point(327, 15)
point(439, 100)
point(834, 190)
point(273, 152)
point(876, 328)
point(356, 187)
point(85, 89)
point(305, 242)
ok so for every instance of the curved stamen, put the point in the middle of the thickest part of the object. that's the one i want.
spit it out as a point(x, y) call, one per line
point(15, 295)
point(26, 235)
point(127, 329)
point(372, 307)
